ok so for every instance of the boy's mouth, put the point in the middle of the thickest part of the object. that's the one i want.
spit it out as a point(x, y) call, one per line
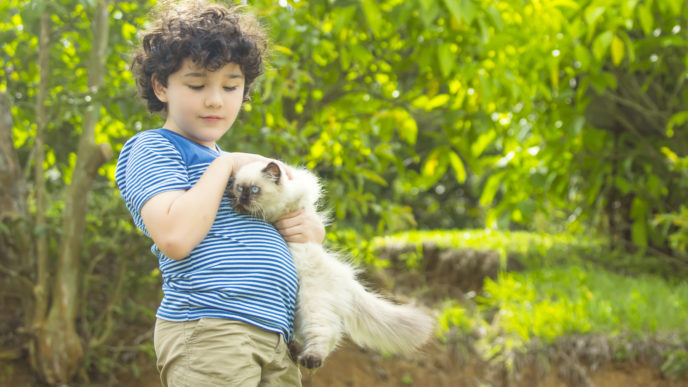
point(211, 118)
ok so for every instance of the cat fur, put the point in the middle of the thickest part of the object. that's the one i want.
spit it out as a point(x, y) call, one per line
point(330, 302)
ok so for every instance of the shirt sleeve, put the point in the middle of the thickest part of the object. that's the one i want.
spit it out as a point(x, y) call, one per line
point(153, 166)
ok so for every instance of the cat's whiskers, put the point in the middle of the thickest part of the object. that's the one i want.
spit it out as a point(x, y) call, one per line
point(257, 211)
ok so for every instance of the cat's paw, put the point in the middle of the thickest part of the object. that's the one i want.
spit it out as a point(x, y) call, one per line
point(295, 349)
point(310, 361)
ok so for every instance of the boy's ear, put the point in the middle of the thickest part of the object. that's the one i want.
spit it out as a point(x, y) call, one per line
point(159, 89)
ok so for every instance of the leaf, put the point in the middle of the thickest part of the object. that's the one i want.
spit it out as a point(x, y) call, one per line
point(437, 101)
point(458, 167)
point(445, 59)
point(490, 189)
point(429, 12)
point(645, 17)
point(495, 18)
point(128, 31)
point(639, 232)
point(372, 176)
point(592, 14)
point(282, 49)
point(602, 80)
point(426, 4)
point(485, 139)
point(656, 187)
point(372, 14)
point(408, 128)
point(582, 56)
point(622, 184)
point(670, 154)
point(554, 72)
point(679, 119)
point(601, 44)
point(629, 46)
point(638, 208)
point(435, 166)
point(618, 51)
point(462, 9)
point(675, 7)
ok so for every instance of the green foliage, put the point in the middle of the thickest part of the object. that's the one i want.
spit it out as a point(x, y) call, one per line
point(549, 303)
point(676, 364)
point(552, 297)
point(564, 117)
point(456, 113)
point(527, 246)
point(675, 223)
point(454, 316)
point(489, 120)
point(559, 293)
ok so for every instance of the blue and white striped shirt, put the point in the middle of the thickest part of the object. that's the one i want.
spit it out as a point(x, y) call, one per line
point(242, 270)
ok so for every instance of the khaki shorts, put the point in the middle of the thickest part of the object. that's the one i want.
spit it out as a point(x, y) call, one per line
point(217, 352)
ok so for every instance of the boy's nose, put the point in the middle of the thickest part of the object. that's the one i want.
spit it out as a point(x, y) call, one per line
point(213, 98)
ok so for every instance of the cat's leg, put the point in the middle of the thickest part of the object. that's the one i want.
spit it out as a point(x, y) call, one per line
point(319, 304)
point(320, 328)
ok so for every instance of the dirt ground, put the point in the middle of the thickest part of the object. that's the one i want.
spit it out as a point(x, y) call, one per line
point(354, 367)
point(435, 366)
point(351, 366)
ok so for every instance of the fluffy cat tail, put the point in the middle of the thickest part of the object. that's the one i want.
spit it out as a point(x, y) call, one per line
point(381, 325)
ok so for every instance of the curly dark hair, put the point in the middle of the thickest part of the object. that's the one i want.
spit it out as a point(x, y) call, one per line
point(210, 35)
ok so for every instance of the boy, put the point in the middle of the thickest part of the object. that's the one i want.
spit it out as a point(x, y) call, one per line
point(229, 281)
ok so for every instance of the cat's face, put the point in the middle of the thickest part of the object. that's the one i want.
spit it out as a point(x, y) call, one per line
point(254, 187)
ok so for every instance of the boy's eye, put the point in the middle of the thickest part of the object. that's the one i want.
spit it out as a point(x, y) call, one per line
point(194, 87)
point(230, 88)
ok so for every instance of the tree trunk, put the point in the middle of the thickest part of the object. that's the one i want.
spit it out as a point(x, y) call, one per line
point(14, 240)
point(41, 239)
point(12, 187)
point(59, 349)
point(15, 231)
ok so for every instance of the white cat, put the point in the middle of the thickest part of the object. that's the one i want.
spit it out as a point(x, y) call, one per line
point(330, 300)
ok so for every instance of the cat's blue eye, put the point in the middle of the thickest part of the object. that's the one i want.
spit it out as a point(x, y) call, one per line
point(255, 189)
point(240, 188)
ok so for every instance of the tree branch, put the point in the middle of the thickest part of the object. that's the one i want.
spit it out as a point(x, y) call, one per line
point(26, 283)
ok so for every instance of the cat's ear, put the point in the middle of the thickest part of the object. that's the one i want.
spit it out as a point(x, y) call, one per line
point(273, 172)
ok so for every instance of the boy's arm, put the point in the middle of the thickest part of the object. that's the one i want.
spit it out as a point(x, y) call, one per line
point(177, 221)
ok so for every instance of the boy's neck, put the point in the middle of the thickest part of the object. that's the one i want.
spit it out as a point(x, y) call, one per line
point(210, 145)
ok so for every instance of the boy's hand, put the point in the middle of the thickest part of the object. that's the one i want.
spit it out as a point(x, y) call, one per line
point(301, 227)
point(240, 159)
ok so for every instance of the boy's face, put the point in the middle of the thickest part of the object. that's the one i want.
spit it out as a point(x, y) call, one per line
point(202, 105)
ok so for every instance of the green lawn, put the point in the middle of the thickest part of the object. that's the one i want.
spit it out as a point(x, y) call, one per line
point(559, 294)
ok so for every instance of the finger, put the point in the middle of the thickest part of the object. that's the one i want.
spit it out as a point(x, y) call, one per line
point(291, 218)
point(292, 215)
point(287, 223)
point(296, 238)
point(293, 230)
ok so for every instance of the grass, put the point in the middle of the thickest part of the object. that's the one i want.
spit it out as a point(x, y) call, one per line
point(550, 302)
point(558, 295)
